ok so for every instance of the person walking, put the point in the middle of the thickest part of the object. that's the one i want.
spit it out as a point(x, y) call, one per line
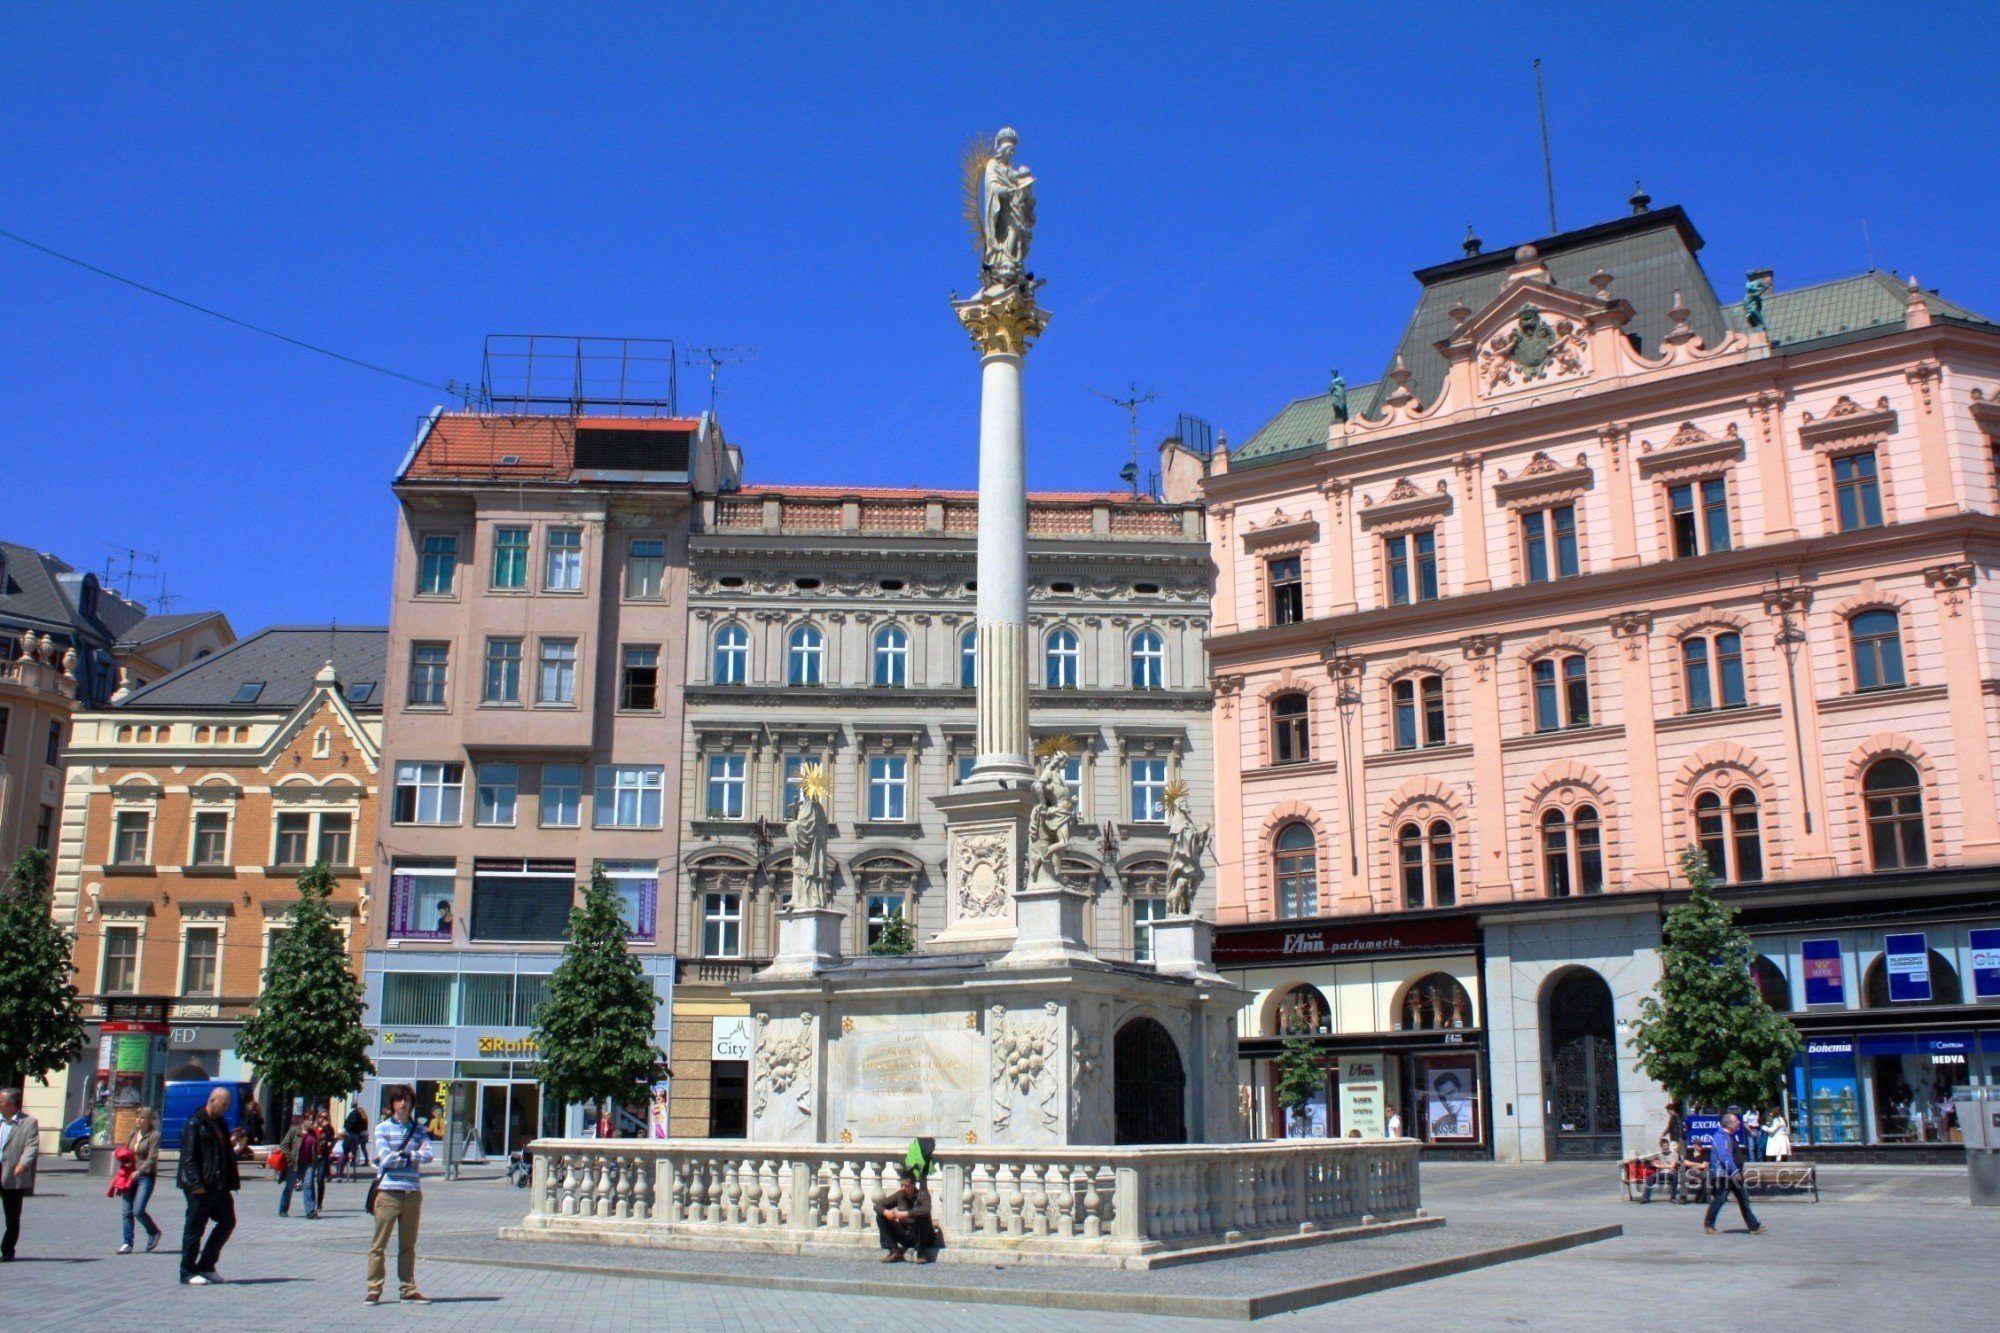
point(356, 1126)
point(253, 1125)
point(1753, 1132)
point(209, 1179)
point(401, 1146)
point(301, 1149)
point(20, 1150)
point(1725, 1177)
point(323, 1152)
point(145, 1146)
point(1778, 1136)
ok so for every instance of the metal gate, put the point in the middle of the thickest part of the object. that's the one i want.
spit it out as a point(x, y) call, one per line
point(1583, 1119)
point(1149, 1089)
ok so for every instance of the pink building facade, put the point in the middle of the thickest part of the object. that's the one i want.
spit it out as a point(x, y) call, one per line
point(1603, 569)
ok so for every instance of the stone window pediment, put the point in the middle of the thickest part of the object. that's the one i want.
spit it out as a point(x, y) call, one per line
point(1543, 480)
point(1281, 530)
point(1691, 452)
point(1848, 425)
point(1406, 505)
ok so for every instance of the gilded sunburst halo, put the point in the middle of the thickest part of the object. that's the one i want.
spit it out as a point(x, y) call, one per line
point(1048, 745)
point(813, 784)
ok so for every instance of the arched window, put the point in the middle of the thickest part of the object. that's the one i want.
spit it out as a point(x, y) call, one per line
point(1061, 659)
point(1877, 638)
point(1771, 984)
point(1712, 671)
point(1562, 692)
point(1945, 985)
point(1572, 852)
point(968, 659)
point(1303, 1012)
point(1291, 735)
point(1149, 661)
point(1435, 1001)
point(1429, 871)
point(892, 656)
point(732, 655)
point(1298, 871)
point(808, 656)
point(1729, 832)
point(1894, 795)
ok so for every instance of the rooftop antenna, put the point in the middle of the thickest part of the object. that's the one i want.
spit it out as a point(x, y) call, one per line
point(1131, 404)
point(1548, 166)
point(715, 358)
point(122, 583)
point(163, 601)
point(1868, 245)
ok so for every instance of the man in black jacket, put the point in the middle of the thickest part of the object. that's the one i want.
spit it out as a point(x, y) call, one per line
point(209, 1179)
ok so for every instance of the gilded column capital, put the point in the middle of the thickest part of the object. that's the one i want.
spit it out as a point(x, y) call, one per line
point(1005, 322)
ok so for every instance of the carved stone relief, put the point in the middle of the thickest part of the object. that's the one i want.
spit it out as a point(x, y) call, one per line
point(784, 1065)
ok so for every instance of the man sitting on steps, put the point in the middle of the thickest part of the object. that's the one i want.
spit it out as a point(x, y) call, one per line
point(903, 1220)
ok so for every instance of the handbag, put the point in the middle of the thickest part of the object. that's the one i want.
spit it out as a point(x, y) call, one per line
point(276, 1161)
point(375, 1187)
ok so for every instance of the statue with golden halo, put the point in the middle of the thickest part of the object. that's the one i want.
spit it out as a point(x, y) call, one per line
point(812, 870)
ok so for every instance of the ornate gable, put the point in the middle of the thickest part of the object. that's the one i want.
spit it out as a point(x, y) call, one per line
point(1534, 334)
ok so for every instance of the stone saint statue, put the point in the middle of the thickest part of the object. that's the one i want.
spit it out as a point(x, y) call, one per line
point(1754, 289)
point(1052, 819)
point(1187, 842)
point(1338, 392)
point(1007, 214)
point(812, 873)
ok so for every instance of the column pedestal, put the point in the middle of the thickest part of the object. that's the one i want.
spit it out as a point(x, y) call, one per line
point(808, 942)
point(1049, 927)
point(1184, 946)
point(986, 852)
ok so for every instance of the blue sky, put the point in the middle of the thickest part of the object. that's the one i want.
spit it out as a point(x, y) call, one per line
point(1231, 201)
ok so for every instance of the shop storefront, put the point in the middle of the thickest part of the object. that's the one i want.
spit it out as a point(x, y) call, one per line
point(1391, 1008)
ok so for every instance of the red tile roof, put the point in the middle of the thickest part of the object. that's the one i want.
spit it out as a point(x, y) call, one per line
point(463, 445)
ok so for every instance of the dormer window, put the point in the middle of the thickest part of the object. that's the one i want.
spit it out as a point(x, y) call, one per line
point(247, 692)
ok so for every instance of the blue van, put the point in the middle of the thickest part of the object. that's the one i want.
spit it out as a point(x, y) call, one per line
point(184, 1099)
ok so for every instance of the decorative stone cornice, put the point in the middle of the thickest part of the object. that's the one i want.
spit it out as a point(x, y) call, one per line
point(1543, 479)
point(1006, 323)
point(1281, 529)
point(1848, 425)
point(1405, 504)
point(1690, 451)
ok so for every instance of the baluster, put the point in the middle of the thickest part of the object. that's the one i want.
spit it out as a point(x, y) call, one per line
point(625, 1166)
point(642, 1186)
point(1062, 1201)
point(1036, 1199)
point(773, 1192)
point(1014, 1199)
point(976, 1184)
point(1093, 1205)
point(711, 1190)
point(564, 1186)
point(732, 1184)
point(681, 1174)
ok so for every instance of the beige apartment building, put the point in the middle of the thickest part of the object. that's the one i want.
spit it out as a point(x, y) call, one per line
point(532, 724)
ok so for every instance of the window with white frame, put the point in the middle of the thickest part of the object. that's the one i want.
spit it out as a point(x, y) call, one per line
point(1727, 828)
point(294, 837)
point(429, 793)
point(1427, 864)
point(807, 656)
point(510, 558)
point(1145, 911)
point(420, 899)
point(645, 569)
point(892, 656)
point(629, 795)
point(888, 788)
point(968, 659)
point(211, 838)
point(132, 838)
point(498, 794)
point(1149, 790)
point(557, 684)
point(1295, 867)
point(429, 668)
point(1561, 684)
point(562, 795)
point(1149, 661)
point(721, 924)
point(305, 836)
point(563, 569)
point(726, 784)
point(732, 655)
point(335, 844)
point(1548, 543)
point(1572, 851)
point(1060, 660)
point(882, 908)
point(964, 766)
point(503, 671)
point(792, 780)
point(121, 960)
point(639, 678)
point(201, 954)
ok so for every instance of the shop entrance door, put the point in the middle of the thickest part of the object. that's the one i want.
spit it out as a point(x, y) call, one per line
point(509, 1114)
point(1583, 1115)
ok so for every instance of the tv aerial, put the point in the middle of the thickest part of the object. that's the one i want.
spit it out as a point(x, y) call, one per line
point(715, 358)
point(1131, 403)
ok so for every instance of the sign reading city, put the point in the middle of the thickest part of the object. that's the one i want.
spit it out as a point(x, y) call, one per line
point(1986, 964)
point(1825, 975)
point(730, 1038)
point(1909, 966)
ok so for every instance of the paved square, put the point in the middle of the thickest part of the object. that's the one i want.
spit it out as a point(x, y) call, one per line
point(1880, 1241)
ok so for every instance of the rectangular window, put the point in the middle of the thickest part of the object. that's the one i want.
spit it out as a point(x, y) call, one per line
point(646, 569)
point(964, 766)
point(1404, 695)
point(882, 909)
point(430, 665)
point(132, 844)
point(336, 838)
point(1857, 492)
point(1431, 694)
point(294, 837)
point(1411, 560)
point(1145, 911)
point(794, 774)
point(1576, 691)
point(1149, 791)
point(888, 788)
point(562, 795)
point(510, 558)
point(722, 925)
point(1548, 702)
point(629, 795)
point(1562, 692)
point(564, 567)
point(416, 999)
point(437, 567)
point(725, 786)
point(637, 884)
point(1729, 669)
point(198, 960)
point(121, 960)
point(420, 899)
point(1694, 661)
point(498, 794)
point(45, 829)
point(503, 671)
point(53, 754)
point(639, 680)
point(557, 682)
point(514, 899)
point(429, 793)
point(1700, 514)
point(1548, 539)
point(211, 838)
point(1288, 590)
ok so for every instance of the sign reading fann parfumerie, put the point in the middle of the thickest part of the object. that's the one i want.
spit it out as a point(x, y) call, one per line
point(1306, 943)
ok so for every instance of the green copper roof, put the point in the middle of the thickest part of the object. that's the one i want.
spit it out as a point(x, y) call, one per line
point(1300, 428)
point(1873, 301)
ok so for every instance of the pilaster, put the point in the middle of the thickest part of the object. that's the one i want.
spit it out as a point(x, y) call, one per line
point(1616, 438)
point(1493, 873)
point(1471, 469)
point(1788, 605)
point(1633, 631)
point(1767, 412)
point(1339, 546)
point(1979, 832)
point(1926, 380)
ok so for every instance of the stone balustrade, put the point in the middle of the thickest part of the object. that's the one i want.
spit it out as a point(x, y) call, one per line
point(1116, 1206)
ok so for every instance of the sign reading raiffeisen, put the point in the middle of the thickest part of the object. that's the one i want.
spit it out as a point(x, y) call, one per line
point(415, 1042)
point(731, 1039)
point(490, 1044)
point(1986, 964)
point(1909, 966)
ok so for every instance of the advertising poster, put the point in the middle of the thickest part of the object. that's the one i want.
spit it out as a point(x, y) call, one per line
point(1308, 1121)
point(1450, 1109)
point(1986, 964)
point(1361, 1094)
point(1825, 980)
point(1909, 967)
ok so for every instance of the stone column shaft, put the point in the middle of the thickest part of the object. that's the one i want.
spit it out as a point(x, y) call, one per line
point(1002, 643)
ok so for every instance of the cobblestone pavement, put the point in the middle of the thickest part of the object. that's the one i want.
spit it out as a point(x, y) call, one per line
point(1880, 1241)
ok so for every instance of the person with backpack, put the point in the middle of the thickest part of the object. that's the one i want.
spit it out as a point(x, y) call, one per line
point(396, 1200)
point(356, 1126)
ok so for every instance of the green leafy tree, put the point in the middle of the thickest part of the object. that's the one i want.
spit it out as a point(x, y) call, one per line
point(307, 1036)
point(41, 1025)
point(895, 937)
point(1708, 1037)
point(594, 1035)
point(1301, 1075)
